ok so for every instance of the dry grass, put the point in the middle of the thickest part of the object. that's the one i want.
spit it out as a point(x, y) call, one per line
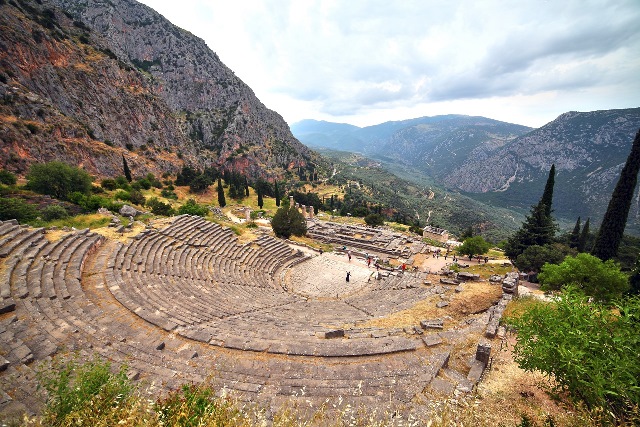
point(475, 298)
point(486, 270)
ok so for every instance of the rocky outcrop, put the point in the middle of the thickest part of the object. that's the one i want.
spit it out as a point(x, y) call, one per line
point(100, 79)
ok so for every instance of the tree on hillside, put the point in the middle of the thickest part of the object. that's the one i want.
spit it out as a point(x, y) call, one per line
point(574, 237)
point(539, 227)
point(475, 245)
point(615, 218)
point(58, 179)
point(277, 195)
point(599, 279)
point(547, 194)
point(246, 187)
point(260, 199)
point(584, 236)
point(534, 257)
point(374, 220)
point(289, 221)
point(127, 171)
point(221, 200)
point(199, 184)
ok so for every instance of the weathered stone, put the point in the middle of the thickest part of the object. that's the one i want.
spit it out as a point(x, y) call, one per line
point(465, 275)
point(127, 210)
point(449, 281)
point(495, 278)
point(432, 324)
point(337, 333)
point(483, 352)
point(431, 340)
point(159, 345)
point(459, 288)
point(442, 304)
point(510, 284)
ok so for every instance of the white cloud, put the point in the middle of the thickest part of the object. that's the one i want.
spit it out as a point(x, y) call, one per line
point(364, 62)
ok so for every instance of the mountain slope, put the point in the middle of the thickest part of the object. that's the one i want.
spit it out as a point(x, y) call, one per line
point(588, 149)
point(105, 78)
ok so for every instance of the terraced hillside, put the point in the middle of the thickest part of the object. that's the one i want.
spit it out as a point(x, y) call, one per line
point(188, 302)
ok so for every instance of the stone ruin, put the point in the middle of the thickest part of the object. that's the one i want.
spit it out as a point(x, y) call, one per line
point(181, 302)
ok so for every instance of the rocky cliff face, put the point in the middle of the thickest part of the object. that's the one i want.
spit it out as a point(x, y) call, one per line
point(588, 149)
point(103, 78)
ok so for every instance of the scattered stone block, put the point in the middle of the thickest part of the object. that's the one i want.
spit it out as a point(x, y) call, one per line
point(417, 330)
point(159, 345)
point(127, 210)
point(442, 304)
point(510, 284)
point(495, 278)
point(432, 324)
point(483, 352)
point(133, 375)
point(459, 289)
point(4, 364)
point(465, 275)
point(432, 340)
point(449, 281)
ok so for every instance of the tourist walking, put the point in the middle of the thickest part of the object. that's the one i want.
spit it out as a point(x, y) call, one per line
point(348, 275)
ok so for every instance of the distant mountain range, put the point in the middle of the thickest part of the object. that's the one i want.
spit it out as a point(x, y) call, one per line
point(500, 163)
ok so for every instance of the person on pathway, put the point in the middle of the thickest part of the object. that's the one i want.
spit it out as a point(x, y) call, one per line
point(368, 262)
point(348, 274)
point(349, 255)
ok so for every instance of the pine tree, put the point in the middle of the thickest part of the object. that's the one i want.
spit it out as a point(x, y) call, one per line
point(277, 195)
point(221, 200)
point(539, 227)
point(260, 200)
point(547, 195)
point(574, 237)
point(127, 171)
point(584, 237)
point(615, 218)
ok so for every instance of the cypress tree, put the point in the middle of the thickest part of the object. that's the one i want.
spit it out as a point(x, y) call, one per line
point(547, 195)
point(615, 218)
point(221, 200)
point(246, 187)
point(539, 227)
point(574, 237)
point(277, 195)
point(127, 171)
point(260, 200)
point(584, 236)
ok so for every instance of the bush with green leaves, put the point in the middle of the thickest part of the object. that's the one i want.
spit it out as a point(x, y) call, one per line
point(58, 179)
point(122, 195)
point(374, 220)
point(475, 245)
point(109, 184)
point(7, 178)
point(52, 212)
point(589, 349)
point(159, 208)
point(534, 257)
point(137, 198)
point(196, 405)
point(77, 391)
point(168, 193)
point(288, 221)
point(601, 280)
point(193, 208)
point(18, 209)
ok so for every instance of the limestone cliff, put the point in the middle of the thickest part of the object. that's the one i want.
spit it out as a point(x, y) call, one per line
point(95, 79)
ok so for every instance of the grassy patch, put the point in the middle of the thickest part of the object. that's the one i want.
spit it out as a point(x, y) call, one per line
point(81, 221)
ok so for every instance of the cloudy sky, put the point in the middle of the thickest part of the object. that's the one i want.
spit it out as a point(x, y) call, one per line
point(368, 61)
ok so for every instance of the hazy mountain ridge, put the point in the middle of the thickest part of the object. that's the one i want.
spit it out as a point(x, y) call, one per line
point(119, 78)
point(506, 165)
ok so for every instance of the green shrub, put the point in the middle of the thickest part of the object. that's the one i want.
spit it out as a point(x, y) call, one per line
point(288, 221)
point(192, 208)
point(159, 208)
point(89, 388)
point(58, 179)
point(7, 178)
point(109, 184)
point(602, 280)
point(122, 195)
point(136, 197)
point(17, 209)
point(122, 183)
point(194, 406)
point(374, 220)
point(52, 212)
point(590, 350)
point(169, 194)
